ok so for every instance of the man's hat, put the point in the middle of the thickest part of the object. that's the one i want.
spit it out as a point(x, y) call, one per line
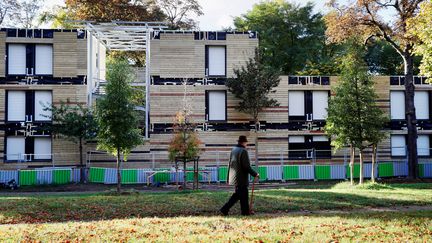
point(242, 139)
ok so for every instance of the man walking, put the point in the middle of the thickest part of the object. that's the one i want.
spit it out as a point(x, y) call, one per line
point(238, 176)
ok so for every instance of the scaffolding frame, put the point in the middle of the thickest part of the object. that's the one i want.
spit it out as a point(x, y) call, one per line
point(121, 36)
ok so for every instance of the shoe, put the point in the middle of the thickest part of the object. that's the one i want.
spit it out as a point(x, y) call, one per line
point(223, 213)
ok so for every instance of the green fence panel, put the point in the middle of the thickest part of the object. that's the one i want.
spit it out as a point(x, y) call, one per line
point(223, 172)
point(162, 177)
point(129, 176)
point(356, 171)
point(323, 172)
point(385, 170)
point(61, 176)
point(262, 170)
point(97, 175)
point(27, 177)
point(291, 172)
point(421, 170)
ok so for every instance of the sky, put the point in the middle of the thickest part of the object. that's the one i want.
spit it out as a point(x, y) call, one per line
point(219, 13)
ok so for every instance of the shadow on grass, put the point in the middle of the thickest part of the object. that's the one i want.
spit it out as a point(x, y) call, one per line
point(39, 209)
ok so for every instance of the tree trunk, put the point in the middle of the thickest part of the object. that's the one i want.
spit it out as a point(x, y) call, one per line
point(351, 164)
point(256, 144)
point(361, 167)
point(82, 169)
point(118, 171)
point(184, 174)
point(410, 117)
point(374, 153)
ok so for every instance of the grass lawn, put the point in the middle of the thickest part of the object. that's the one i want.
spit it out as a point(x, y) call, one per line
point(193, 216)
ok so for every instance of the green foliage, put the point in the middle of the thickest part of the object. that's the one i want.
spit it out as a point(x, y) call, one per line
point(116, 116)
point(353, 116)
point(74, 122)
point(252, 85)
point(185, 143)
point(290, 35)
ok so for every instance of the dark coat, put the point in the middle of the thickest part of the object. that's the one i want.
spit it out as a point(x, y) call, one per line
point(239, 167)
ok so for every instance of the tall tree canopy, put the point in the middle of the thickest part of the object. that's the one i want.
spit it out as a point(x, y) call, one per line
point(178, 13)
point(290, 35)
point(364, 19)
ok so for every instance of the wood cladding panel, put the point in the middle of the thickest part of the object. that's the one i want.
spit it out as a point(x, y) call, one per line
point(2, 54)
point(66, 54)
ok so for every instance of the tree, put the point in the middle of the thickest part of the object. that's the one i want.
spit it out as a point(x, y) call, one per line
point(252, 85)
point(364, 18)
point(7, 9)
point(27, 13)
point(420, 26)
point(76, 123)
point(353, 117)
point(117, 119)
point(290, 35)
point(178, 13)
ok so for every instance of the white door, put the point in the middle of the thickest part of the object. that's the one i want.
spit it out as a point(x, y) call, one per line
point(15, 148)
point(217, 106)
point(42, 148)
point(44, 60)
point(397, 105)
point(398, 145)
point(17, 59)
point(320, 105)
point(296, 103)
point(421, 103)
point(423, 145)
point(216, 61)
point(43, 99)
point(16, 107)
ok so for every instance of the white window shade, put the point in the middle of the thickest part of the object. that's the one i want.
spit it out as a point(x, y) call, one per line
point(398, 145)
point(44, 60)
point(421, 103)
point(320, 139)
point(42, 148)
point(296, 103)
point(397, 105)
point(16, 107)
point(43, 99)
point(17, 59)
point(216, 106)
point(423, 145)
point(216, 61)
point(15, 148)
point(320, 105)
point(296, 139)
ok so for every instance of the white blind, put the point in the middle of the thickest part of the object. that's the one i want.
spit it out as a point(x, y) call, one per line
point(320, 105)
point(43, 99)
point(398, 144)
point(15, 148)
point(16, 108)
point(42, 148)
point(216, 61)
point(217, 106)
point(296, 103)
point(296, 139)
point(421, 103)
point(17, 59)
point(423, 145)
point(397, 105)
point(320, 139)
point(44, 60)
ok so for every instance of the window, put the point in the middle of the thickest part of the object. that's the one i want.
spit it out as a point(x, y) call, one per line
point(421, 103)
point(216, 61)
point(297, 147)
point(17, 63)
point(15, 148)
point(296, 105)
point(43, 99)
point(423, 145)
point(16, 105)
point(397, 105)
point(42, 148)
point(398, 145)
point(44, 60)
point(216, 106)
point(320, 105)
point(322, 147)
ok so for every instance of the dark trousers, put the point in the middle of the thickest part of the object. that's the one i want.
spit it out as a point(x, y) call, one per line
point(241, 193)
